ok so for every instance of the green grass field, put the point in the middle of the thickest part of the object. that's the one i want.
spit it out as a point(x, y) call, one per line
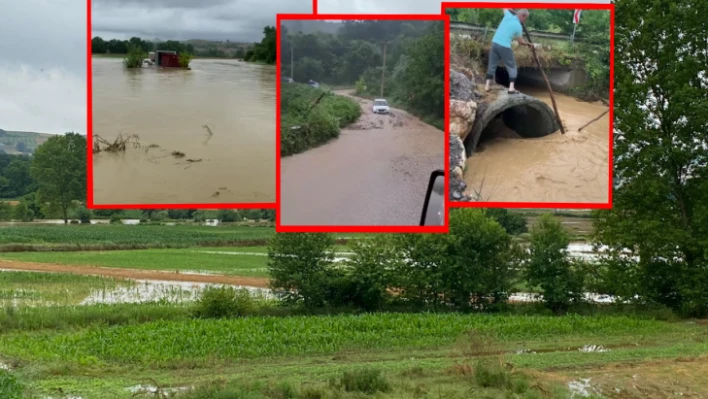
point(420, 355)
point(236, 261)
point(128, 236)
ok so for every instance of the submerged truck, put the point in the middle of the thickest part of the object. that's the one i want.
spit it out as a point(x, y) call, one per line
point(163, 59)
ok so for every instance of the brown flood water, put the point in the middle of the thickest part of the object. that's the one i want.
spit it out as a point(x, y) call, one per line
point(557, 168)
point(376, 173)
point(168, 110)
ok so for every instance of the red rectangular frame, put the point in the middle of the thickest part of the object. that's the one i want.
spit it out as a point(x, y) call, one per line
point(362, 229)
point(583, 6)
point(89, 153)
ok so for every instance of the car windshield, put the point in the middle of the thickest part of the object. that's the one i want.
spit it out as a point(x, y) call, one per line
point(382, 103)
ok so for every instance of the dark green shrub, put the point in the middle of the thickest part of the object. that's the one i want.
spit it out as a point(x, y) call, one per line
point(224, 302)
point(10, 388)
point(368, 381)
point(115, 219)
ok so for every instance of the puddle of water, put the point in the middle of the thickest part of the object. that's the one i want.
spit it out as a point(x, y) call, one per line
point(557, 168)
point(170, 109)
point(153, 390)
point(593, 348)
point(161, 291)
point(580, 388)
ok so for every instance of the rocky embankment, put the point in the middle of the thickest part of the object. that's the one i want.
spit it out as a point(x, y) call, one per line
point(463, 110)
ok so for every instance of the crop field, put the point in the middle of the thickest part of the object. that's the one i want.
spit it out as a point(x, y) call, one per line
point(130, 236)
point(28, 288)
point(415, 350)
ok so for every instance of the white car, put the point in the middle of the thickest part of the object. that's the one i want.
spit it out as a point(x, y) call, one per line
point(380, 106)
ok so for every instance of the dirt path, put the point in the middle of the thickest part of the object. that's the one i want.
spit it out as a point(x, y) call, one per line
point(259, 282)
point(375, 173)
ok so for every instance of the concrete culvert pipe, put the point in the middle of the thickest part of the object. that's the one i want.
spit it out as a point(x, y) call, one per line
point(526, 115)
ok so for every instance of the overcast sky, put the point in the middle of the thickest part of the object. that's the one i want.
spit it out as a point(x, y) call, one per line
point(235, 20)
point(43, 65)
point(406, 6)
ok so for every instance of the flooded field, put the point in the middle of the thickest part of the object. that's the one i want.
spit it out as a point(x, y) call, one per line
point(557, 168)
point(206, 135)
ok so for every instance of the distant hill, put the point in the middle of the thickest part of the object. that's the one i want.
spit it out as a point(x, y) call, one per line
point(207, 48)
point(12, 142)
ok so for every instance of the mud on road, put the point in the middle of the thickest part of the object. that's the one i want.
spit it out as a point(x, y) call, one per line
point(375, 173)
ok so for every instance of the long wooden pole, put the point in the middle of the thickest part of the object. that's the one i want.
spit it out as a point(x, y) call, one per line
point(540, 68)
point(588, 124)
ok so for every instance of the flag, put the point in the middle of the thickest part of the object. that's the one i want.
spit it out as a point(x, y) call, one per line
point(576, 16)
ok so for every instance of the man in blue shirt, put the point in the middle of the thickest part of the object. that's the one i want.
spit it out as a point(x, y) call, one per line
point(509, 29)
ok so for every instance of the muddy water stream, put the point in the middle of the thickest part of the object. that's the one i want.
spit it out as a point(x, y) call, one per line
point(170, 110)
point(557, 168)
point(376, 173)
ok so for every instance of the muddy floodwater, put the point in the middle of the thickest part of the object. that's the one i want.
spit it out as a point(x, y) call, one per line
point(206, 135)
point(376, 173)
point(557, 168)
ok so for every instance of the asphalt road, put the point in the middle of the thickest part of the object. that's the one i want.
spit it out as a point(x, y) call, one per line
point(375, 174)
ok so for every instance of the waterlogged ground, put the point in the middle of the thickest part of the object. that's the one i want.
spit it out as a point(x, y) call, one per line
point(172, 275)
point(219, 116)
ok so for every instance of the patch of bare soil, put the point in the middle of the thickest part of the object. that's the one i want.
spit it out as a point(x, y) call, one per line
point(134, 273)
point(673, 378)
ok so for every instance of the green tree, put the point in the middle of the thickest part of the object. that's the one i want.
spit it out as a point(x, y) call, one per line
point(473, 265)
point(59, 168)
point(660, 208)
point(98, 46)
point(550, 268)
point(22, 213)
point(228, 215)
point(301, 267)
point(512, 222)
point(371, 266)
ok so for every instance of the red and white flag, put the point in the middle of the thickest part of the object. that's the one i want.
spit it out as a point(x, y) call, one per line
point(576, 16)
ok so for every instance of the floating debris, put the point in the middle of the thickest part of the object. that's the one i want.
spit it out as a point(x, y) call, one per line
point(118, 145)
point(177, 154)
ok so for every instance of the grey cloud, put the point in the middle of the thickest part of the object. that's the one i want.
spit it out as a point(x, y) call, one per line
point(43, 65)
point(235, 20)
point(406, 6)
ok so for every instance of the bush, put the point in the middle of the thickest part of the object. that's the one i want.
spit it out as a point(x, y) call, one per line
point(22, 213)
point(550, 268)
point(301, 268)
point(159, 216)
point(185, 59)
point(224, 302)
point(513, 223)
point(10, 388)
point(227, 215)
point(135, 57)
point(115, 219)
point(311, 117)
point(368, 381)
point(84, 215)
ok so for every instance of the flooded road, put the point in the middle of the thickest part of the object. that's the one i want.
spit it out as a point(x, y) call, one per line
point(220, 115)
point(557, 168)
point(376, 173)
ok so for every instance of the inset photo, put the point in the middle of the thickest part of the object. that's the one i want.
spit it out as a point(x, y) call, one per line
point(362, 123)
point(531, 106)
point(183, 103)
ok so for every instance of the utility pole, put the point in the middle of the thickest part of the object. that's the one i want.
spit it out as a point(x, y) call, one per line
point(292, 62)
point(383, 70)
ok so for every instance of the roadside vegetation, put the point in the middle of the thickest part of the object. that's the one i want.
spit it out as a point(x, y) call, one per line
point(350, 54)
point(311, 117)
